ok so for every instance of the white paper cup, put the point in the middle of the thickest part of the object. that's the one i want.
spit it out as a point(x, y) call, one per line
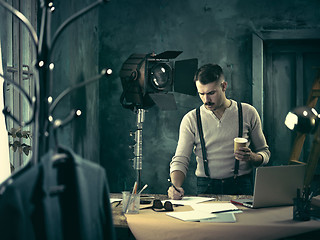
point(239, 142)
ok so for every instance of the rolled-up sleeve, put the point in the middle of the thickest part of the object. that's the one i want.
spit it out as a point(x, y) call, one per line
point(181, 159)
point(258, 139)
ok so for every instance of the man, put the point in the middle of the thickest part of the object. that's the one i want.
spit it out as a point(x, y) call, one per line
point(220, 125)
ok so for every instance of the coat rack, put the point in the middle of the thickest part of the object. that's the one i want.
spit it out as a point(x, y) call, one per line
point(42, 104)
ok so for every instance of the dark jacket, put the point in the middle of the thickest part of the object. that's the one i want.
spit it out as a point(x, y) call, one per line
point(56, 200)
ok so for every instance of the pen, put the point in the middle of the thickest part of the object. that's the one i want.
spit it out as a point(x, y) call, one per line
point(134, 191)
point(310, 196)
point(174, 186)
point(298, 193)
point(224, 211)
point(144, 187)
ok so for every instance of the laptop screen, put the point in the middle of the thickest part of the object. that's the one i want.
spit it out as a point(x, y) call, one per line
point(276, 185)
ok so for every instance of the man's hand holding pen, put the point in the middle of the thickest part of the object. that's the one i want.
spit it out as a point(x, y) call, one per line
point(175, 193)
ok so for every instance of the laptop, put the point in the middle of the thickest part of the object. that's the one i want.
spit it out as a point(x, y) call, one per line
point(275, 186)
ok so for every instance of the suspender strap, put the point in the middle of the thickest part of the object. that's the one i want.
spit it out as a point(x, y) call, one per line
point(203, 146)
point(240, 117)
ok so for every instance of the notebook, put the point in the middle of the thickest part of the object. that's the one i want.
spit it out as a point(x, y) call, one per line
point(275, 186)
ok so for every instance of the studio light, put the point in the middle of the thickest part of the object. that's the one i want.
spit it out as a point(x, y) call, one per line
point(149, 79)
point(161, 77)
point(303, 119)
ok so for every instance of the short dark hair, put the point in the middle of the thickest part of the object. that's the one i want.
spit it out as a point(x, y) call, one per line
point(208, 73)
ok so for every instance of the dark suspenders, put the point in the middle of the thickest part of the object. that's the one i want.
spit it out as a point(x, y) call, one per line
point(203, 147)
point(240, 117)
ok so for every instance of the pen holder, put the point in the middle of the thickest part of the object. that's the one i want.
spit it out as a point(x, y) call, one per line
point(301, 209)
point(130, 203)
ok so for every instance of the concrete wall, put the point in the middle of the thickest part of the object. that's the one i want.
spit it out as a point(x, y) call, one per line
point(76, 59)
point(212, 31)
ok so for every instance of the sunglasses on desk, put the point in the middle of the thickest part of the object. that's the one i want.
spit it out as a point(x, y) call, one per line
point(157, 206)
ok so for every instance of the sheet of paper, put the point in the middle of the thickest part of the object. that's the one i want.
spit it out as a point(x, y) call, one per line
point(214, 207)
point(193, 216)
point(221, 217)
point(191, 200)
point(112, 200)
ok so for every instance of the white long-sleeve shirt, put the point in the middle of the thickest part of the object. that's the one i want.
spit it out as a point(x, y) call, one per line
point(218, 136)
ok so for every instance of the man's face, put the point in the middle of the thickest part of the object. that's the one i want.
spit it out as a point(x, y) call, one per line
point(212, 94)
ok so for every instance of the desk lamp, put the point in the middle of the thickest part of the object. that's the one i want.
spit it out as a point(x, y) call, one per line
point(306, 120)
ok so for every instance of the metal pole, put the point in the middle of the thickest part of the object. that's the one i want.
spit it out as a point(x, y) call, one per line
point(137, 164)
point(43, 67)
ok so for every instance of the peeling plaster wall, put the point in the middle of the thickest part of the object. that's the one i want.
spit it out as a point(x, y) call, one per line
point(75, 56)
point(212, 31)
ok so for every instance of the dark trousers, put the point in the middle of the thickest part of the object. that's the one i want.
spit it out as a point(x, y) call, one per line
point(241, 185)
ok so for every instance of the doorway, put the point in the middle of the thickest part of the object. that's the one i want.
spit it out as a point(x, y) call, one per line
point(291, 67)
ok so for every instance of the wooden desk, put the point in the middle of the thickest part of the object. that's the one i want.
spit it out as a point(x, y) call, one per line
point(264, 223)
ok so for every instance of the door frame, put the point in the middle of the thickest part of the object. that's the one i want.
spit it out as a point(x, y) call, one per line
point(258, 51)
